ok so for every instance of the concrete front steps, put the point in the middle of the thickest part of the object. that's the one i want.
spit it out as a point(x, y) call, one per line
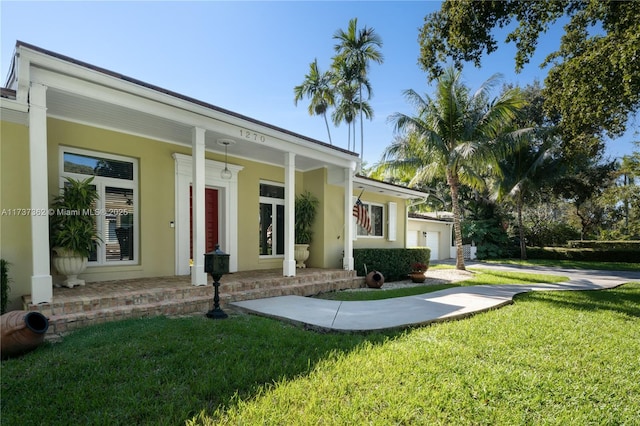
point(101, 302)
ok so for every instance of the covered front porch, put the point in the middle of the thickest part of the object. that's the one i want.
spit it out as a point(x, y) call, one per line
point(100, 302)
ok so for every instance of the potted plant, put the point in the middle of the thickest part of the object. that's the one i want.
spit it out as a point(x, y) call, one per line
point(73, 229)
point(417, 272)
point(306, 209)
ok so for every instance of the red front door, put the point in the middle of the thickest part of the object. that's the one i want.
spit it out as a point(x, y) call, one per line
point(210, 220)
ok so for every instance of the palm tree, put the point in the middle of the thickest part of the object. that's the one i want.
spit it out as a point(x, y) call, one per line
point(318, 87)
point(522, 171)
point(356, 49)
point(349, 102)
point(456, 134)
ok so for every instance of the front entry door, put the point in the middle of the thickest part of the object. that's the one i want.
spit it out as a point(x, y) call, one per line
point(210, 220)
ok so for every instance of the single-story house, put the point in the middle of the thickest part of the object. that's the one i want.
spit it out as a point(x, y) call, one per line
point(175, 176)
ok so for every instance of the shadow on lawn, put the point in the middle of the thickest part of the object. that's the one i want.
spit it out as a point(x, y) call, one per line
point(162, 371)
point(624, 299)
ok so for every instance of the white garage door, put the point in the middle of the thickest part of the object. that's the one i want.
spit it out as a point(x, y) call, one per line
point(433, 242)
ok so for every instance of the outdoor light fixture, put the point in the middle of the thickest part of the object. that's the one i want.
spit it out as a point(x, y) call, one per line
point(226, 173)
point(216, 263)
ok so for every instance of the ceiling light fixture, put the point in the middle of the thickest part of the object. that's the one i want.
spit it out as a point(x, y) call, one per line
point(226, 173)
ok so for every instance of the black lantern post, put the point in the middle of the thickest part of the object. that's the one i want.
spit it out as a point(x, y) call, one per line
point(216, 263)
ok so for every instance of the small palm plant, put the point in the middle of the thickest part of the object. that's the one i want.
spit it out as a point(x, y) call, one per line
point(72, 224)
point(306, 210)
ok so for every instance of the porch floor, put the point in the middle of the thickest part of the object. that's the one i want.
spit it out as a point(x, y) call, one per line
point(104, 301)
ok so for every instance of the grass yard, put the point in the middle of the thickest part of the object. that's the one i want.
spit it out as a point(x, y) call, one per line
point(550, 358)
point(575, 264)
point(481, 277)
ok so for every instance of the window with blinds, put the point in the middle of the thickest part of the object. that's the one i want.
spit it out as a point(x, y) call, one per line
point(115, 212)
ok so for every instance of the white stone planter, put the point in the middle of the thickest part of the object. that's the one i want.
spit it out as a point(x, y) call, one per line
point(301, 254)
point(70, 264)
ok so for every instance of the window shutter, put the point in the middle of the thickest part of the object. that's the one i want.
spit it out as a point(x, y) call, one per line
point(393, 221)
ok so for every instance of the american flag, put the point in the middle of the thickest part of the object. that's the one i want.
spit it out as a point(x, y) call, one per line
point(362, 215)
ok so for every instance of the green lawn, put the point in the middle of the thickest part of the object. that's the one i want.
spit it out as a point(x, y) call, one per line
point(481, 277)
point(576, 264)
point(550, 358)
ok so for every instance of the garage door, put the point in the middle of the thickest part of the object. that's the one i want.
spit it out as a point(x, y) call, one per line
point(433, 242)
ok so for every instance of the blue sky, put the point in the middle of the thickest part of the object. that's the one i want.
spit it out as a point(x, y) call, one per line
point(248, 56)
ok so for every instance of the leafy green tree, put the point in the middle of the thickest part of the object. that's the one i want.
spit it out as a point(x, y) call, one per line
point(486, 225)
point(456, 134)
point(548, 220)
point(593, 85)
point(522, 172)
point(317, 86)
point(582, 184)
point(356, 49)
point(624, 196)
point(532, 164)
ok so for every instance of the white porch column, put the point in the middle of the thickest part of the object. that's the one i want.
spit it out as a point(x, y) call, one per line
point(347, 261)
point(198, 276)
point(289, 263)
point(41, 282)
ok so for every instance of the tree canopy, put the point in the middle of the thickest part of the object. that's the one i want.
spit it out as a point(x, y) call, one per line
point(593, 84)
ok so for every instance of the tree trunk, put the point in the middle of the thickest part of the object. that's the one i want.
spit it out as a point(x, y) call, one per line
point(452, 180)
point(523, 246)
point(326, 123)
point(361, 127)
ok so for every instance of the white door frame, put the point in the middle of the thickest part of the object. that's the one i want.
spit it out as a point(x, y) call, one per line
point(228, 207)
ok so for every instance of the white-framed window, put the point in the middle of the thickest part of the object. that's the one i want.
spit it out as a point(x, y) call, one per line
point(271, 219)
point(116, 211)
point(376, 216)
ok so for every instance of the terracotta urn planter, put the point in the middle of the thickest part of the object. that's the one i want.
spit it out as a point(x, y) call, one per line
point(417, 277)
point(22, 331)
point(374, 279)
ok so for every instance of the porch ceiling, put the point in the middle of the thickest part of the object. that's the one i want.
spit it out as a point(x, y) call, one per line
point(91, 111)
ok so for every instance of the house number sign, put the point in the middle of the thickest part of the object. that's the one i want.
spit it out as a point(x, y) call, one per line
point(252, 136)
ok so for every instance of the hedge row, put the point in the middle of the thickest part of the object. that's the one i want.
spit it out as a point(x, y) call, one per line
point(394, 264)
point(605, 245)
point(584, 254)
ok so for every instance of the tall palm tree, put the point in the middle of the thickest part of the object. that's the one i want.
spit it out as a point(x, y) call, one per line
point(318, 87)
point(456, 134)
point(356, 48)
point(524, 170)
point(348, 102)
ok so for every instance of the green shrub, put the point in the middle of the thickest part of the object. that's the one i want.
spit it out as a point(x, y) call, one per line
point(605, 245)
point(584, 254)
point(394, 264)
point(547, 233)
point(4, 285)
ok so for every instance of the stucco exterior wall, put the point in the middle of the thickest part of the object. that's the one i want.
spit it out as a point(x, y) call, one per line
point(420, 226)
point(383, 242)
point(15, 227)
point(156, 194)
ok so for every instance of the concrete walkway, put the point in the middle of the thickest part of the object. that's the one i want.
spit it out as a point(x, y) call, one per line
point(402, 312)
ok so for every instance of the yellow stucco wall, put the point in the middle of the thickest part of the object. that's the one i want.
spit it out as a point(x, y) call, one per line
point(156, 193)
point(15, 227)
point(377, 242)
